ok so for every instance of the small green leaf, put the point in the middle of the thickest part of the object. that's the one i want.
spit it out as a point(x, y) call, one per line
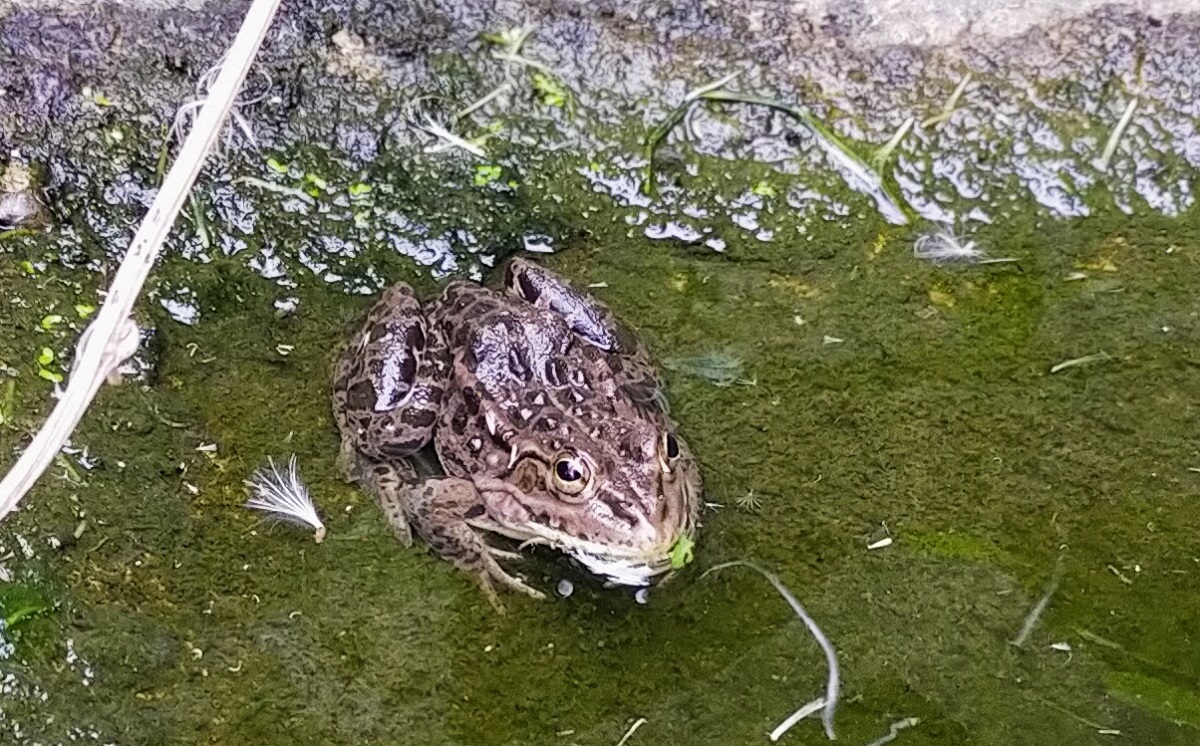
point(28, 268)
point(763, 189)
point(681, 553)
point(50, 375)
point(84, 310)
point(51, 321)
point(276, 166)
point(359, 189)
point(486, 173)
point(46, 356)
point(100, 99)
point(508, 38)
point(550, 90)
point(316, 181)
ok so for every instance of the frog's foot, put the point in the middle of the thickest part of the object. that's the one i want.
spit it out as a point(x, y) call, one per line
point(495, 572)
point(390, 487)
point(438, 510)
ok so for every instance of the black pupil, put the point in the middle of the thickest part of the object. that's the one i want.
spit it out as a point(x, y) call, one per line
point(567, 472)
point(672, 446)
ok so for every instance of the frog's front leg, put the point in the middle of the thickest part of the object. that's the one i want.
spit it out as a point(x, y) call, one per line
point(391, 483)
point(439, 511)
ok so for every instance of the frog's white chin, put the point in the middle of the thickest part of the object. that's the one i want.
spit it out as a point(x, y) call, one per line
point(624, 570)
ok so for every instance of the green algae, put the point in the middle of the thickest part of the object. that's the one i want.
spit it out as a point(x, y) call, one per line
point(391, 644)
point(957, 546)
point(1177, 704)
point(935, 414)
point(946, 426)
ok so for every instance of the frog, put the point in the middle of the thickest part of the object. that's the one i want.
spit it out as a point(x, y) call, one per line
point(548, 424)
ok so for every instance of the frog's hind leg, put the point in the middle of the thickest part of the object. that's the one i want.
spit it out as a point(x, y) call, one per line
point(388, 387)
point(439, 510)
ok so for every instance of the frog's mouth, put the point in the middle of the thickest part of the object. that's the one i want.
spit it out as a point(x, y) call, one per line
point(608, 563)
point(622, 570)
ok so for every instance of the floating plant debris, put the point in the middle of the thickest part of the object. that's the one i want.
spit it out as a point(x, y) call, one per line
point(283, 496)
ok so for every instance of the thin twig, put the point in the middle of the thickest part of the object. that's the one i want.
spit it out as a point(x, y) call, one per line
point(1110, 148)
point(696, 93)
point(433, 128)
point(640, 722)
point(834, 682)
point(879, 160)
point(498, 90)
point(808, 709)
point(948, 110)
point(271, 186)
point(893, 729)
point(113, 336)
point(508, 57)
point(1093, 358)
point(1035, 614)
point(829, 142)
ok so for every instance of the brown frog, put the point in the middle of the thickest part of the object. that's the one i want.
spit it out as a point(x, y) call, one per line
point(547, 418)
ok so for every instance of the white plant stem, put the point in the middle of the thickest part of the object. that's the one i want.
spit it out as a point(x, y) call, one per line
point(113, 336)
point(1035, 614)
point(1114, 139)
point(828, 703)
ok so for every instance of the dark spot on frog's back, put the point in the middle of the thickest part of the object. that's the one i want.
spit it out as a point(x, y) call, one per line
point(474, 511)
point(470, 400)
point(379, 331)
point(592, 353)
point(361, 396)
point(556, 372)
point(458, 422)
point(461, 334)
point(419, 417)
point(416, 337)
point(518, 364)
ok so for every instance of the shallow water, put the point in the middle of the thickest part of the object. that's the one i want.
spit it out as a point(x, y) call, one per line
point(876, 394)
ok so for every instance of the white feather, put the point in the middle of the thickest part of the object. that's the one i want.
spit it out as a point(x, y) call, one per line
point(283, 495)
point(942, 247)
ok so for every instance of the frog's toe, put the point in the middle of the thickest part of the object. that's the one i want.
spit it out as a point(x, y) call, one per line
point(505, 554)
point(498, 573)
point(489, 590)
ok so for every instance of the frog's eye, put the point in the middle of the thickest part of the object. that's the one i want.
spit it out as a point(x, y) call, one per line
point(571, 474)
point(668, 451)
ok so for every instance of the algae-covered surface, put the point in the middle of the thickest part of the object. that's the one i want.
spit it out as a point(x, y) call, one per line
point(836, 388)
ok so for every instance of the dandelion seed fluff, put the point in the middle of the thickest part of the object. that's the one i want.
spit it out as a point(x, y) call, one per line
point(943, 247)
point(283, 496)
